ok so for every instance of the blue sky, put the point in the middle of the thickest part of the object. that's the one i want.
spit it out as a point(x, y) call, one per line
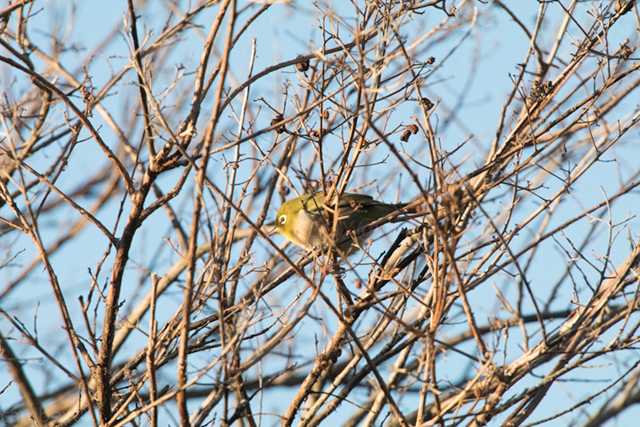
point(493, 52)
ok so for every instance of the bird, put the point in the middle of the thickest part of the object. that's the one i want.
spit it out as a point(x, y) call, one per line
point(307, 220)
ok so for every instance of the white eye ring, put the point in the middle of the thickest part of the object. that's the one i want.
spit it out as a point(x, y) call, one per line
point(282, 220)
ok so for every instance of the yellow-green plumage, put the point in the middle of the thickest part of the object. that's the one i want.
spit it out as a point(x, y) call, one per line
point(307, 221)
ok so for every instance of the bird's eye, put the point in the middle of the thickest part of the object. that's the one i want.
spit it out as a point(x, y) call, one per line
point(282, 220)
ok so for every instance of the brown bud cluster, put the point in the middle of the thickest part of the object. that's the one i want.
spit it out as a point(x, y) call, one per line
point(277, 121)
point(539, 90)
point(303, 64)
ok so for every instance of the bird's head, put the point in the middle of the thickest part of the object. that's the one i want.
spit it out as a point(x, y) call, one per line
point(293, 216)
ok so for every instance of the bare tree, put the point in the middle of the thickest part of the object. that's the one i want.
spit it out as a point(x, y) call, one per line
point(142, 160)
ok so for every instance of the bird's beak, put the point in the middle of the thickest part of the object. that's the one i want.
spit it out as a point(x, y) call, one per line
point(270, 228)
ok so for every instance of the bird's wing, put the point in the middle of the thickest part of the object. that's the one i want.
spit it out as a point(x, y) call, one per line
point(351, 203)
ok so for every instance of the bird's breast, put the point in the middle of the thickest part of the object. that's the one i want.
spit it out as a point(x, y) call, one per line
point(307, 231)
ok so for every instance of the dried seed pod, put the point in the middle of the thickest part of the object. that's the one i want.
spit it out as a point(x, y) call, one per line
point(426, 103)
point(409, 130)
point(275, 121)
point(303, 64)
point(431, 60)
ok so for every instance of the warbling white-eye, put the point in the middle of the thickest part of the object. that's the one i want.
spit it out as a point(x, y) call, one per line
point(307, 220)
